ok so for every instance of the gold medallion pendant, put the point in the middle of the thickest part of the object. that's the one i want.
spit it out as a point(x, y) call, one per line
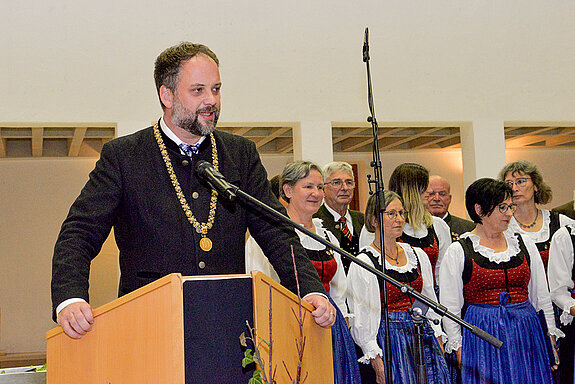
point(201, 228)
point(205, 244)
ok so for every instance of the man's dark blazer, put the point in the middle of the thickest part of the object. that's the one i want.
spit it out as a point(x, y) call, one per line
point(458, 226)
point(130, 190)
point(566, 209)
point(357, 219)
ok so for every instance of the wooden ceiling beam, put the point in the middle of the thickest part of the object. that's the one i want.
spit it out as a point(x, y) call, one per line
point(436, 141)
point(386, 132)
point(370, 140)
point(453, 146)
point(511, 129)
point(524, 141)
point(412, 137)
point(286, 148)
point(2, 145)
point(530, 133)
point(554, 141)
point(347, 135)
point(37, 141)
point(76, 141)
point(275, 133)
point(241, 131)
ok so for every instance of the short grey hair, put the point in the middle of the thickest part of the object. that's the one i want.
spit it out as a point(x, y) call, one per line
point(294, 172)
point(335, 166)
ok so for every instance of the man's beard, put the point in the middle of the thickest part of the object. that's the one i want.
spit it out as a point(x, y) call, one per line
point(187, 120)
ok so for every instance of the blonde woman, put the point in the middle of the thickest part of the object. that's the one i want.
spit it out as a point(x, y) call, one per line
point(422, 230)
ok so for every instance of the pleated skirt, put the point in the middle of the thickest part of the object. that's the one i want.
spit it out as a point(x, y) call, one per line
point(523, 359)
point(402, 337)
point(345, 365)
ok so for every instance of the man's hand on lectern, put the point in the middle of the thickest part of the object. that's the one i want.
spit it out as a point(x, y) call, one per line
point(76, 319)
point(324, 313)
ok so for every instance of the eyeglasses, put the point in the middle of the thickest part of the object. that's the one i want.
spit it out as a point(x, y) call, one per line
point(519, 182)
point(393, 214)
point(338, 183)
point(504, 207)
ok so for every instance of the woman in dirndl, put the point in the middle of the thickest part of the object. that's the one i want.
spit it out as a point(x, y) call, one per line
point(301, 186)
point(411, 266)
point(496, 279)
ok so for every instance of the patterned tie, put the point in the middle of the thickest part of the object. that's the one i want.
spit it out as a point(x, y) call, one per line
point(344, 229)
point(188, 149)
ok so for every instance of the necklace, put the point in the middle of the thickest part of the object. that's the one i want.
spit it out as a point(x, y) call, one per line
point(527, 226)
point(201, 228)
point(395, 259)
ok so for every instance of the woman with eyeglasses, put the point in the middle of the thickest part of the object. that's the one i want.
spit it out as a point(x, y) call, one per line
point(530, 190)
point(301, 185)
point(410, 266)
point(496, 280)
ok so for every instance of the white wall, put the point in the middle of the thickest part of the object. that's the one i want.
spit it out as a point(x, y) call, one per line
point(70, 60)
point(35, 196)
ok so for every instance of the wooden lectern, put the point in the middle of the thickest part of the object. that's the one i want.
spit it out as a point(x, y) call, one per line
point(186, 330)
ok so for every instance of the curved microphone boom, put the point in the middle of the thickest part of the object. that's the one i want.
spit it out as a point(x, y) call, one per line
point(216, 180)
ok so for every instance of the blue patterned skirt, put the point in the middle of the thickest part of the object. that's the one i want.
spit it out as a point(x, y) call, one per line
point(523, 359)
point(345, 365)
point(402, 336)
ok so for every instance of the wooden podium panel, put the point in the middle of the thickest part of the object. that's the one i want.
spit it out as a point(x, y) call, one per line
point(317, 357)
point(136, 338)
point(186, 330)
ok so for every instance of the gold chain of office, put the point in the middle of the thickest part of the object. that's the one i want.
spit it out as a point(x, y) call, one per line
point(201, 228)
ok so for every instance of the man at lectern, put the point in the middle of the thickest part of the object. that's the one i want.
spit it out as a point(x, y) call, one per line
point(165, 219)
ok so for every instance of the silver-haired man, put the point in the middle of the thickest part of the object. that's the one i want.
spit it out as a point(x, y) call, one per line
point(343, 222)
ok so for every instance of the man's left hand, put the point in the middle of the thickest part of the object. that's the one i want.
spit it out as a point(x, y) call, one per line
point(324, 313)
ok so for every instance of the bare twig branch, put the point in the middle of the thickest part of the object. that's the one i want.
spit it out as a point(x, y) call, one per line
point(257, 356)
point(271, 369)
point(300, 343)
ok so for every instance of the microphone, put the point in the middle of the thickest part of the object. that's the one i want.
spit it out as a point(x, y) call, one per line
point(216, 180)
point(366, 46)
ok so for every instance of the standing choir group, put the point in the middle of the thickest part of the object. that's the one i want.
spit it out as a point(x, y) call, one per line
point(509, 271)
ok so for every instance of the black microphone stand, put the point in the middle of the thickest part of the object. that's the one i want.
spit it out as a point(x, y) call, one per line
point(418, 311)
point(380, 201)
